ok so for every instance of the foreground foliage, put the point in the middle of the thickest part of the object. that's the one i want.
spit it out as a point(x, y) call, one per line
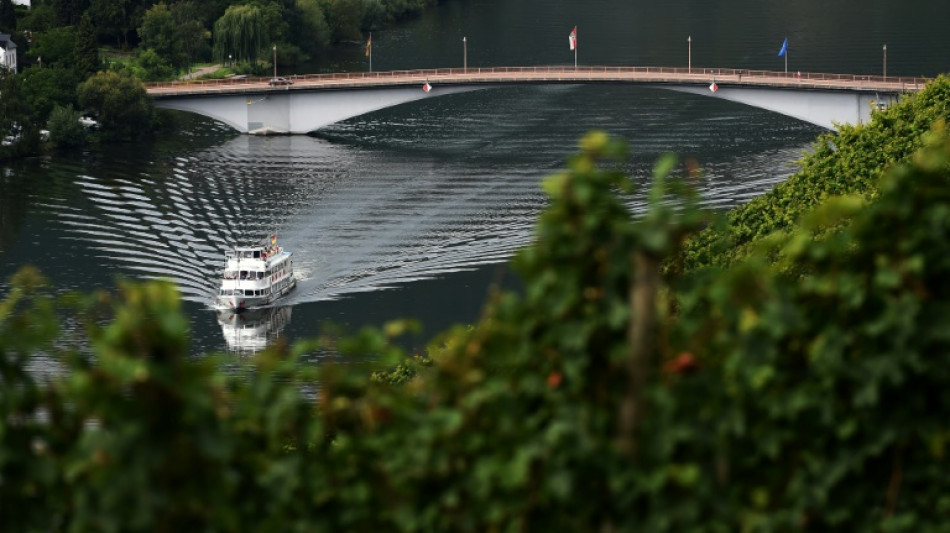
point(737, 399)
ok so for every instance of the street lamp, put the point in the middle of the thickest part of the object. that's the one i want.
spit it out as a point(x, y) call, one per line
point(465, 54)
point(689, 54)
point(230, 62)
point(275, 60)
point(885, 61)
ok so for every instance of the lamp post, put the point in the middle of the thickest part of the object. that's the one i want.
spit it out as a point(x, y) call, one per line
point(689, 54)
point(230, 61)
point(464, 54)
point(275, 60)
point(885, 61)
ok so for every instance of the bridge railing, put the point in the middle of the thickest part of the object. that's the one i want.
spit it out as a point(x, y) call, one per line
point(565, 73)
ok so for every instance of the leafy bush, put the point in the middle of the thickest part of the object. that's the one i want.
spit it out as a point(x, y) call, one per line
point(65, 130)
point(154, 68)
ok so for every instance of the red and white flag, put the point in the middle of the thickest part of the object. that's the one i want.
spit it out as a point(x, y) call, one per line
point(572, 38)
point(713, 87)
point(427, 87)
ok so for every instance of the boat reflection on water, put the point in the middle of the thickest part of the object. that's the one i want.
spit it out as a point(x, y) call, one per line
point(252, 330)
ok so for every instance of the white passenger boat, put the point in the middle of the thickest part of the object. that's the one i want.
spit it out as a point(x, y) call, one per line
point(255, 276)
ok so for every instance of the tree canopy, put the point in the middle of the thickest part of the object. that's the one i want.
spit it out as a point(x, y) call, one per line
point(243, 32)
point(86, 55)
point(119, 102)
point(7, 16)
point(173, 32)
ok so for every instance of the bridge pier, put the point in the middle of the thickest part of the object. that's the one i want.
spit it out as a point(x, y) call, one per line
point(825, 108)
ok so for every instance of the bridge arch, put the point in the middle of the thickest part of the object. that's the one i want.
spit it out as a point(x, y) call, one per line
point(300, 111)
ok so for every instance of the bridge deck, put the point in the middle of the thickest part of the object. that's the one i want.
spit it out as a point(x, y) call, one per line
point(542, 75)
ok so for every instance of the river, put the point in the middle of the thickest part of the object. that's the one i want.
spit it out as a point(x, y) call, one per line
point(412, 211)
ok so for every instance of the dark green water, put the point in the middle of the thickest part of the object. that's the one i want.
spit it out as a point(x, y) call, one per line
point(411, 211)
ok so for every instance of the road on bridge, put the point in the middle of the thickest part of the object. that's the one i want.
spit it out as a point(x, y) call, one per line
point(548, 75)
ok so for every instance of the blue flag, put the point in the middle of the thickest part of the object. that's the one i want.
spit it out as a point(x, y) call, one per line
point(784, 48)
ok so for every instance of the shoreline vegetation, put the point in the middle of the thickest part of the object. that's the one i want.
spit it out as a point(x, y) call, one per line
point(780, 367)
point(77, 58)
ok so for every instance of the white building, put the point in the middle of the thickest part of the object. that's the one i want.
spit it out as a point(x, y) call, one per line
point(7, 52)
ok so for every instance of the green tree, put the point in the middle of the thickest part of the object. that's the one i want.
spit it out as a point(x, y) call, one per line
point(159, 33)
point(68, 12)
point(65, 130)
point(16, 120)
point(173, 32)
point(308, 27)
point(8, 22)
point(86, 54)
point(55, 47)
point(193, 38)
point(113, 19)
point(38, 19)
point(120, 104)
point(47, 88)
point(154, 66)
point(14, 111)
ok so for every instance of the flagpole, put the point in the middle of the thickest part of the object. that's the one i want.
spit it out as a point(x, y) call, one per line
point(572, 39)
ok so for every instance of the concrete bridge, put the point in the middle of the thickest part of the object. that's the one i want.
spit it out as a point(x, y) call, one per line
point(252, 105)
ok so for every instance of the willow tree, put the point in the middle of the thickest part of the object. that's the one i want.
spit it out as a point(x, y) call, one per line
point(242, 33)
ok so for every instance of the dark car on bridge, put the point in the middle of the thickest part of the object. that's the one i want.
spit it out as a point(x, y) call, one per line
point(280, 81)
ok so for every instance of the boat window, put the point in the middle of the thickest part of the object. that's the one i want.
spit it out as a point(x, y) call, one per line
point(244, 274)
point(260, 275)
point(257, 254)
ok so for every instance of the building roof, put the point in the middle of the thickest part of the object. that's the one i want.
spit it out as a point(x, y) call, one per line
point(6, 43)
